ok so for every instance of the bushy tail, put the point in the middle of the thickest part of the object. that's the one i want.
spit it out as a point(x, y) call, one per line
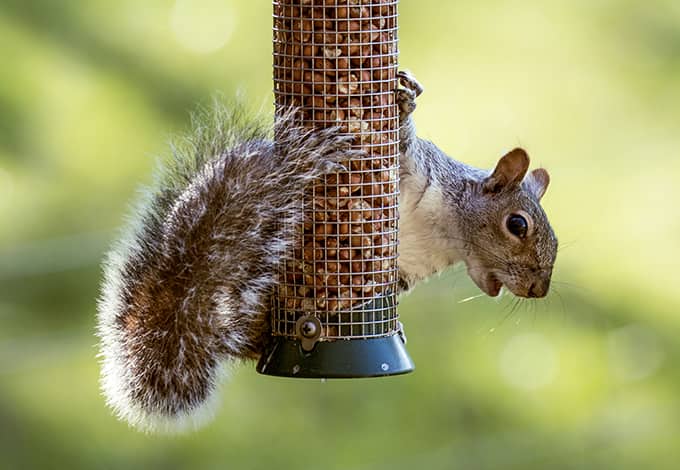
point(188, 288)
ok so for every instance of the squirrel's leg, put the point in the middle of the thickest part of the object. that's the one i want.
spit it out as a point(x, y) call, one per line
point(406, 100)
point(413, 172)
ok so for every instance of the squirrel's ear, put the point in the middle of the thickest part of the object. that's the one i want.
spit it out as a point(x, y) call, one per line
point(509, 171)
point(538, 182)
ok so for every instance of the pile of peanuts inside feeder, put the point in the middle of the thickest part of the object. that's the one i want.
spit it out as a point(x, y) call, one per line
point(336, 60)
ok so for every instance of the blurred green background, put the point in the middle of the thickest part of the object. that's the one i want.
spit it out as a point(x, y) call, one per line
point(90, 93)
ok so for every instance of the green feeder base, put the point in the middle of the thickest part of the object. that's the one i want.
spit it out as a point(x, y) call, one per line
point(372, 357)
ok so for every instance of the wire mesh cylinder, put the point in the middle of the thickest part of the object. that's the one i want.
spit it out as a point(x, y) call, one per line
point(336, 60)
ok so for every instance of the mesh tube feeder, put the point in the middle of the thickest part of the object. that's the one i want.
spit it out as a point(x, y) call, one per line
point(334, 313)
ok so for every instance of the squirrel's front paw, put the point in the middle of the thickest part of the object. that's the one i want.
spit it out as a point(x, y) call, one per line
point(406, 96)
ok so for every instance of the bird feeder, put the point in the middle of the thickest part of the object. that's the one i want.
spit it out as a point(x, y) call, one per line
point(334, 313)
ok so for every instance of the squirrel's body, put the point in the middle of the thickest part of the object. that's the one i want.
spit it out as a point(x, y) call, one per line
point(188, 288)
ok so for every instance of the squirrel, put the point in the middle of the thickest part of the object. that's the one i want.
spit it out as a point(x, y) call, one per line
point(451, 212)
point(186, 290)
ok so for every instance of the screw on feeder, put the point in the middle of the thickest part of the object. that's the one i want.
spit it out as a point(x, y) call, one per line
point(309, 329)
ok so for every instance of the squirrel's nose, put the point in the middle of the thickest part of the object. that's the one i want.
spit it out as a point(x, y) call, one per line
point(539, 288)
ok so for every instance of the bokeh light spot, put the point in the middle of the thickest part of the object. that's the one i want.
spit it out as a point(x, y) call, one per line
point(528, 361)
point(6, 185)
point(634, 352)
point(202, 26)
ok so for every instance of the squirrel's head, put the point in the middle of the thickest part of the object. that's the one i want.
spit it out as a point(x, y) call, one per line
point(507, 237)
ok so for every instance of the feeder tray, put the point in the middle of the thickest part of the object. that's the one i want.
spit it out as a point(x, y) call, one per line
point(334, 313)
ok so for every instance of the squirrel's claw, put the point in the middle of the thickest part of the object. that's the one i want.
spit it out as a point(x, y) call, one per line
point(406, 100)
point(409, 82)
point(406, 96)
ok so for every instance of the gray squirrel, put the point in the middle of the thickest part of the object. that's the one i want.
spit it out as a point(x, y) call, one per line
point(187, 289)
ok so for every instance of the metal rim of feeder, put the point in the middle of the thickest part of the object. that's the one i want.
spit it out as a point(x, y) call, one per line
point(336, 62)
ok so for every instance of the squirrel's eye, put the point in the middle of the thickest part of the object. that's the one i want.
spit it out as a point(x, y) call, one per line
point(517, 225)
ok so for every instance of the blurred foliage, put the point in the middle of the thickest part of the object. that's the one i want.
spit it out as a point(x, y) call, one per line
point(90, 93)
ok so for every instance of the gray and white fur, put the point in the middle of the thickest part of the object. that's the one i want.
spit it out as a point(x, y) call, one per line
point(187, 289)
